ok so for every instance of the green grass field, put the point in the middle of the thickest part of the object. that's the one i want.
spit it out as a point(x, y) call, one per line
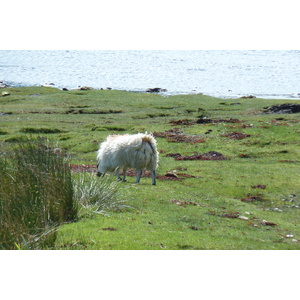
point(250, 200)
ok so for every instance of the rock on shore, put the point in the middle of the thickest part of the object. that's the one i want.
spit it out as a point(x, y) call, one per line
point(285, 108)
point(156, 90)
point(3, 85)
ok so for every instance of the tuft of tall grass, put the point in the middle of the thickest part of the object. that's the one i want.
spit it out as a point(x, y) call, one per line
point(97, 195)
point(36, 195)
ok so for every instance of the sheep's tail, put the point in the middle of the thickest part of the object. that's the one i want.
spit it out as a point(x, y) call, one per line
point(148, 147)
point(149, 139)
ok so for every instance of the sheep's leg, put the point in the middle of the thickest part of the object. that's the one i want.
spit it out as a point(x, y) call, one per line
point(153, 177)
point(138, 177)
point(118, 175)
point(124, 177)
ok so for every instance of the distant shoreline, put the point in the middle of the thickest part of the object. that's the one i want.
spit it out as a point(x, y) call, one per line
point(155, 90)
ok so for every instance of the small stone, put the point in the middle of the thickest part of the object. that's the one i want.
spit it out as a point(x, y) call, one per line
point(247, 97)
point(169, 174)
point(289, 236)
point(155, 90)
point(2, 85)
point(51, 84)
point(243, 218)
point(5, 94)
point(86, 88)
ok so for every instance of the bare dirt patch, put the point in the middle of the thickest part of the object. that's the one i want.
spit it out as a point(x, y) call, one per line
point(182, 122)
point(217, 121)
point(203, 120)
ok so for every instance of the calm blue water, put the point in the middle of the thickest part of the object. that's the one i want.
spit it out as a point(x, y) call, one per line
point(263, 73)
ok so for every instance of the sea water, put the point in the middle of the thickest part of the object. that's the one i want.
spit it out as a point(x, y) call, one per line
point(219, 73)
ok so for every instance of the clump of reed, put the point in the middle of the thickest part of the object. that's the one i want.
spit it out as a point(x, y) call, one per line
point(36, 195)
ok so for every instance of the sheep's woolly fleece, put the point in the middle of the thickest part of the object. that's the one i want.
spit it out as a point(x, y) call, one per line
point(136, 151)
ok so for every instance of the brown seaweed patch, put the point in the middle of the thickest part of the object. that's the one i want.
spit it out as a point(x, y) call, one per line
point(174, 155)
point(251, 198)
point(231, 215)
point(260, 186)
point(93, 112)
point(183, 203)
point(182, 122)
point(267, 223)
point(203, 120)
point(211, 155)
point(216, 121)
point(236, 135)
point(177, 136)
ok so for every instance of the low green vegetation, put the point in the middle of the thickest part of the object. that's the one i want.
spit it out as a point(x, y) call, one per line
point(228, 176)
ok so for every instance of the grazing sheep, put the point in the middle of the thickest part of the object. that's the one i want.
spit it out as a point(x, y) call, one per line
point(137, 151)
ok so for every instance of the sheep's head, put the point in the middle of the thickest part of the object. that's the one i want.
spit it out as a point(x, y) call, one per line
point(100, 170)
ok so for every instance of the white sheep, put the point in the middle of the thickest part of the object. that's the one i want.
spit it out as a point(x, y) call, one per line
point(137, 151)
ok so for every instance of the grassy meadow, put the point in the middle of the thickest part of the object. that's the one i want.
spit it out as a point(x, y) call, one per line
point(248, 200)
